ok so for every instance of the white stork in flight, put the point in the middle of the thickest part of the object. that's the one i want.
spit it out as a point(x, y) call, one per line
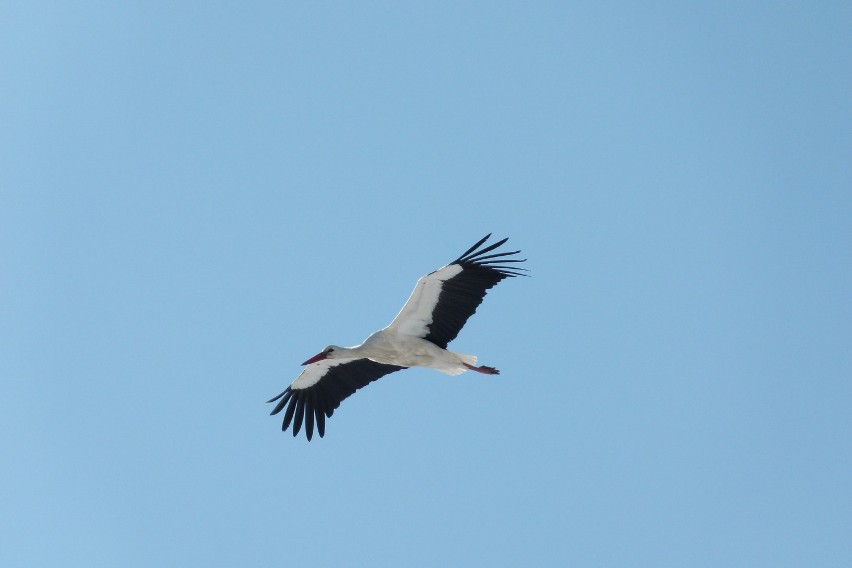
point(439, 306)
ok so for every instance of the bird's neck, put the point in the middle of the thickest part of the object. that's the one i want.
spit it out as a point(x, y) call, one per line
point(356, 352)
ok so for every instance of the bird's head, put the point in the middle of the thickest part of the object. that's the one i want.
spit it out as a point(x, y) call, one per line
point(327, 353)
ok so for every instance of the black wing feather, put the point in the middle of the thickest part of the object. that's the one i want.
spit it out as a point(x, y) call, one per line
point(310, 402)
point(314, 404)
point(288, 416)
point(464, 292)
point(300, 414)
point(320, 412)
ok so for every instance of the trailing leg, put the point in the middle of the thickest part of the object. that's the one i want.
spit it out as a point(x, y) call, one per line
point(483, 369)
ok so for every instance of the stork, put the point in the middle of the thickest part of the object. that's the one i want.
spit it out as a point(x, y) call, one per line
point(436, 311)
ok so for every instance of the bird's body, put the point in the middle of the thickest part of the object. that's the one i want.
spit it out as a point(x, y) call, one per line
point(391, 347)
point(438, 308)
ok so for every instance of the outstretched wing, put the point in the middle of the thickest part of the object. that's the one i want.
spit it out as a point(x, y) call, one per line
point(318, 391)
point(442, 301)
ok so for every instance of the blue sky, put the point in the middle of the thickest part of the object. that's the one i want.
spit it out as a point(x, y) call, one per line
point(195, 198)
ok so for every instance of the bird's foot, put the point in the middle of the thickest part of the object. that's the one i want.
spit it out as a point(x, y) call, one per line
point(483, 369)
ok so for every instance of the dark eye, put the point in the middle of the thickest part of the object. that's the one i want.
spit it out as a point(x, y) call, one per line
point(329, 350)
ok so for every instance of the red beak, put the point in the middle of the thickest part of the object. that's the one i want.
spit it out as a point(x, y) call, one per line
point(315, 358)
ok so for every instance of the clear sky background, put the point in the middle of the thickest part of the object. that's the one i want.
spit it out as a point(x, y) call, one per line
point(195, 198)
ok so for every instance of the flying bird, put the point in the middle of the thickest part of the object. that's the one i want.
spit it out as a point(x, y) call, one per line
point(436, 311)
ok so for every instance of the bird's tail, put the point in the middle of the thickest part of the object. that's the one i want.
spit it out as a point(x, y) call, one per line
point(458, 367)
point(466, 359)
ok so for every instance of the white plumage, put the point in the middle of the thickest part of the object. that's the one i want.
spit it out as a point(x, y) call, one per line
point(436, 311)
